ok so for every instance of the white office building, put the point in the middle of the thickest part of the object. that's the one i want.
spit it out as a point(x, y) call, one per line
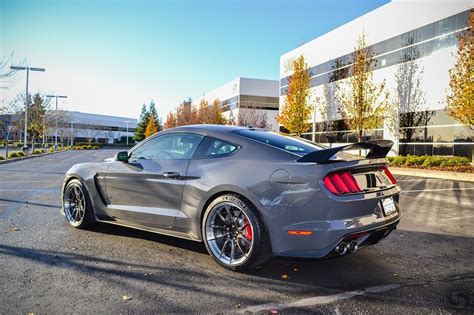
point(424, 31)
point(94, 128)
point(246, 101)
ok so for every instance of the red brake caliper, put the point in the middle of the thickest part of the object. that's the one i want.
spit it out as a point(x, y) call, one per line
point(248, 229)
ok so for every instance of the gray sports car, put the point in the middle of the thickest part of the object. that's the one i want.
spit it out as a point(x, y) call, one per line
point(246, 193)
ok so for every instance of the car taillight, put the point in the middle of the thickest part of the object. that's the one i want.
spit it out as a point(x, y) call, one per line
point(341, 183)
point(389, 175)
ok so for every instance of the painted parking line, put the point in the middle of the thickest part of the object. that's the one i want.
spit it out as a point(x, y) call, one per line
point(320, 300)
point(31, 190)
point(437, 189)
point(27, 181)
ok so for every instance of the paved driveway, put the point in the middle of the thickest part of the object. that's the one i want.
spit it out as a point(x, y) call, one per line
point(45, 266)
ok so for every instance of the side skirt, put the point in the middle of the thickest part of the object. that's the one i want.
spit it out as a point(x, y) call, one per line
point(152, 230)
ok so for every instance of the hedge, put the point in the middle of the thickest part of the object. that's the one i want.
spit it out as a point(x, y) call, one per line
point(428, 161)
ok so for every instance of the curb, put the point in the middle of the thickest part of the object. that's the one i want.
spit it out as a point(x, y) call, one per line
point(31, 156)
point(463, 177)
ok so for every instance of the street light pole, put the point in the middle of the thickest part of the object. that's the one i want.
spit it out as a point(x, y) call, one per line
point(127, 122)
point(25, 138)
point(56, 116)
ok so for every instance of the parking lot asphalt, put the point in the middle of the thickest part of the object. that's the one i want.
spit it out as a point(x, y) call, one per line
point(425, 266)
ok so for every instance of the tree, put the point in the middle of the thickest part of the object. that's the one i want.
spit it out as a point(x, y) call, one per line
point(92, 132)
point(170, 121)
point(296, 110)
point(64, 118)
point(405, 107)
point(37, 122)
point(252, 116)
point(460, 100)
point(142, 124)
point(151, 128)
point(186, 114)
point(215, 112)
point(328, 104)
point(204, 112)
point(153, 112)
point(5, 72)
point(361, 107)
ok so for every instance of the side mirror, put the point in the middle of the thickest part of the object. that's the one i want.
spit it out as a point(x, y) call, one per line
point(122, 156)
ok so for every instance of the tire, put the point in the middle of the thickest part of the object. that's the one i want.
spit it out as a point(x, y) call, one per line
point(234, 234)
point(77, 205)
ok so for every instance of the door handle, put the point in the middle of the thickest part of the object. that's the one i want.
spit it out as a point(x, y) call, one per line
point(171, 175)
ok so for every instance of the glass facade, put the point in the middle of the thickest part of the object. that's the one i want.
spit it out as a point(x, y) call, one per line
point(250, 101)
point(424, 40)
point(429, 132)
point(435, 134)
point(99, 127)
point(438, 135)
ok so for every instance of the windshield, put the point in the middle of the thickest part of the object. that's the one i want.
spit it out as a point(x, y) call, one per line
point(287, 143)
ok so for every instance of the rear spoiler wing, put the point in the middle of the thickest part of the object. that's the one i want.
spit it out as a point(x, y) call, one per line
point(378, 149)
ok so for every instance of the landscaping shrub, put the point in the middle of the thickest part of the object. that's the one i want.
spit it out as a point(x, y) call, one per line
point(433, 161)
point(38, 151)
point(1, 158)
point(455, 161)
point(398, 160)
point(412, 160)
point(20, 153)
point(430, 162)
point(13, 155)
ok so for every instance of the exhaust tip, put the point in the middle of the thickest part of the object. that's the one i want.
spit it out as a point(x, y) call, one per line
point(353, 247)
point(341, 249)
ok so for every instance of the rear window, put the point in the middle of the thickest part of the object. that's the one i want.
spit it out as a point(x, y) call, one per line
point(287, 143)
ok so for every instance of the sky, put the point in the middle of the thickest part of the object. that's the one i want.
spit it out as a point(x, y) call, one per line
point(110, 57)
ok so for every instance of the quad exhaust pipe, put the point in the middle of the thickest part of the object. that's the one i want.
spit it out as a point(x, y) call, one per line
point(343, 248)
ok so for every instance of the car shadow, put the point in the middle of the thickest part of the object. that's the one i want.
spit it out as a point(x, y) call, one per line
point(370, 266)
point(118, 230)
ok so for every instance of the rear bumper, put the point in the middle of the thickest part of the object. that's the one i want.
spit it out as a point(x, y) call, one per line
point(328, 234)
point(363, 236)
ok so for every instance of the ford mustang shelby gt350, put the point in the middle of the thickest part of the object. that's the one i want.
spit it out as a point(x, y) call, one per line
point(247, 193)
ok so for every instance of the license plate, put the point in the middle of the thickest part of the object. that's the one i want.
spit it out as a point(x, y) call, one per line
point(388, 206)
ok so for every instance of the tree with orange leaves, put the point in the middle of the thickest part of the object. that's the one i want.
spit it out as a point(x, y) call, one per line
point(461, 99)
point(296, 110)
point(170, 121)
point(151, 128)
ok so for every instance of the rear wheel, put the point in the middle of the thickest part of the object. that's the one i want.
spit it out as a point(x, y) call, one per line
point(77, 205)
point(234, 233)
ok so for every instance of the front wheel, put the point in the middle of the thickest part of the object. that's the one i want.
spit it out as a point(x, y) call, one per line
point(234, 233)
point(76, 205)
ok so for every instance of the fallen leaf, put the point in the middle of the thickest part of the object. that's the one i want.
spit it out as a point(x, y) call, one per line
point(127, 297)
point(237, 305)
point(15, 229)
point(284, 276)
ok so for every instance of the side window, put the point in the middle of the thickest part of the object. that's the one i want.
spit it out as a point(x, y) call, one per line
point(176, 146)
point(212, 147)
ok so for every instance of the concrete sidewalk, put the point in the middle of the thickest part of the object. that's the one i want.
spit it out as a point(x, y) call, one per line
point(465, 177)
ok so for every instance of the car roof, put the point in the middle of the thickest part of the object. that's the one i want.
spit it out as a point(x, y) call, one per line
point(212, 128)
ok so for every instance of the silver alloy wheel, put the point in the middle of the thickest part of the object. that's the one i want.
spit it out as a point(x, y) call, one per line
point(74, 204)
point(229, 233)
